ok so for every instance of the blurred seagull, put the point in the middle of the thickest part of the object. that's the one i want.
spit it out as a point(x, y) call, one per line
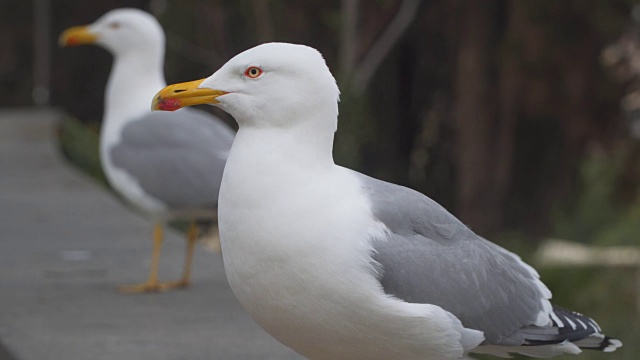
point(338, 265)
point(167, 165)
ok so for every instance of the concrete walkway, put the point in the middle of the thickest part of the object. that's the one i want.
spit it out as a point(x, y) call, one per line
point(66, 243)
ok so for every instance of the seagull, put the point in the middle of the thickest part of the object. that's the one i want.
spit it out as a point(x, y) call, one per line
point(167, 165)
point(338, 265)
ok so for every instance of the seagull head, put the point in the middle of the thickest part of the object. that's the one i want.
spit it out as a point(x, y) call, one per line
point(273, 84)
point(121, 31)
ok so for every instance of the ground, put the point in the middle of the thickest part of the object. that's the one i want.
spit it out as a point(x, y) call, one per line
point(66, 243)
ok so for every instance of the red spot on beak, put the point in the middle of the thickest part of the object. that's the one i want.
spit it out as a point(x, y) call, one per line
point(169, 104)
point(72, 41)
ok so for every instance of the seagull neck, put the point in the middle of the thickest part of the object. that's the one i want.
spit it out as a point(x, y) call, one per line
point(297, 147)
point(302, 137)
point(133, 82)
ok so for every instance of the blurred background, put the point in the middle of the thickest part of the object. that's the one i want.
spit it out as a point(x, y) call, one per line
point(520, 117)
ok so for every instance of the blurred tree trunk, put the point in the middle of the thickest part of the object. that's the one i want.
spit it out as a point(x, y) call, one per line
point(363, 49)
point(478, 201)
point(384, 43)
point(262, 14)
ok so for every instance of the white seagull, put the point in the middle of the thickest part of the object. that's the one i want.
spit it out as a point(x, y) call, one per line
point(338, 265)
point(169, 165)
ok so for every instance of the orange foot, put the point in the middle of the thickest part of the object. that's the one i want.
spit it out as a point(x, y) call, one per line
point(153, 286)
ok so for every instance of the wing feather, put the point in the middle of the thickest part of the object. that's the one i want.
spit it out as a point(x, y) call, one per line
point(429, 256)
point(178, 157)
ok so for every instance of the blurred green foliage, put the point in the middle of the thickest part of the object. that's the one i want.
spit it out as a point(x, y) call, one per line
point(624, 230)
point(79, 143)
point(594, 208)
point(601, 211)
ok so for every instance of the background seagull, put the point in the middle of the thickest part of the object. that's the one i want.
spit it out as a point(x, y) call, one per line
point(167, 165)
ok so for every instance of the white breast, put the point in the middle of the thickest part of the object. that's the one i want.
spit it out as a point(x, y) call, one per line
point(132, 83)
point(296, 245)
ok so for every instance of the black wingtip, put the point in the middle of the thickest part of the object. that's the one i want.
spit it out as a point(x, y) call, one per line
point(573, 327)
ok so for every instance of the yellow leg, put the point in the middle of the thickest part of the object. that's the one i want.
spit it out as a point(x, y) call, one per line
point(152, 284)
point(158, 238)
point(192, 236)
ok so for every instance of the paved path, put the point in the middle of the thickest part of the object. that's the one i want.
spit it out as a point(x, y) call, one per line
point(66, 243)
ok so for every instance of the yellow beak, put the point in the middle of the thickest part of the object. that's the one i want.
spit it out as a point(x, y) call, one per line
point(176, 96)
point(77, 35)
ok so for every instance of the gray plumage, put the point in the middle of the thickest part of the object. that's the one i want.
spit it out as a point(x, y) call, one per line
point(430, 257)
point(177, 158)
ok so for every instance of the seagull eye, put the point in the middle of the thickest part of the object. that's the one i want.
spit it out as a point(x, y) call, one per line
point(253, 72)
point(114, 25)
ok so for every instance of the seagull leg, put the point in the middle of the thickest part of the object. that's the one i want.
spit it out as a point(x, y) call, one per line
point(152, 284)
point(192, 236)
point(185, 281)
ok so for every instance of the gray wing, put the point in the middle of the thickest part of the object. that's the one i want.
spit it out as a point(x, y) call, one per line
point(430, 257)
point(176, 157)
